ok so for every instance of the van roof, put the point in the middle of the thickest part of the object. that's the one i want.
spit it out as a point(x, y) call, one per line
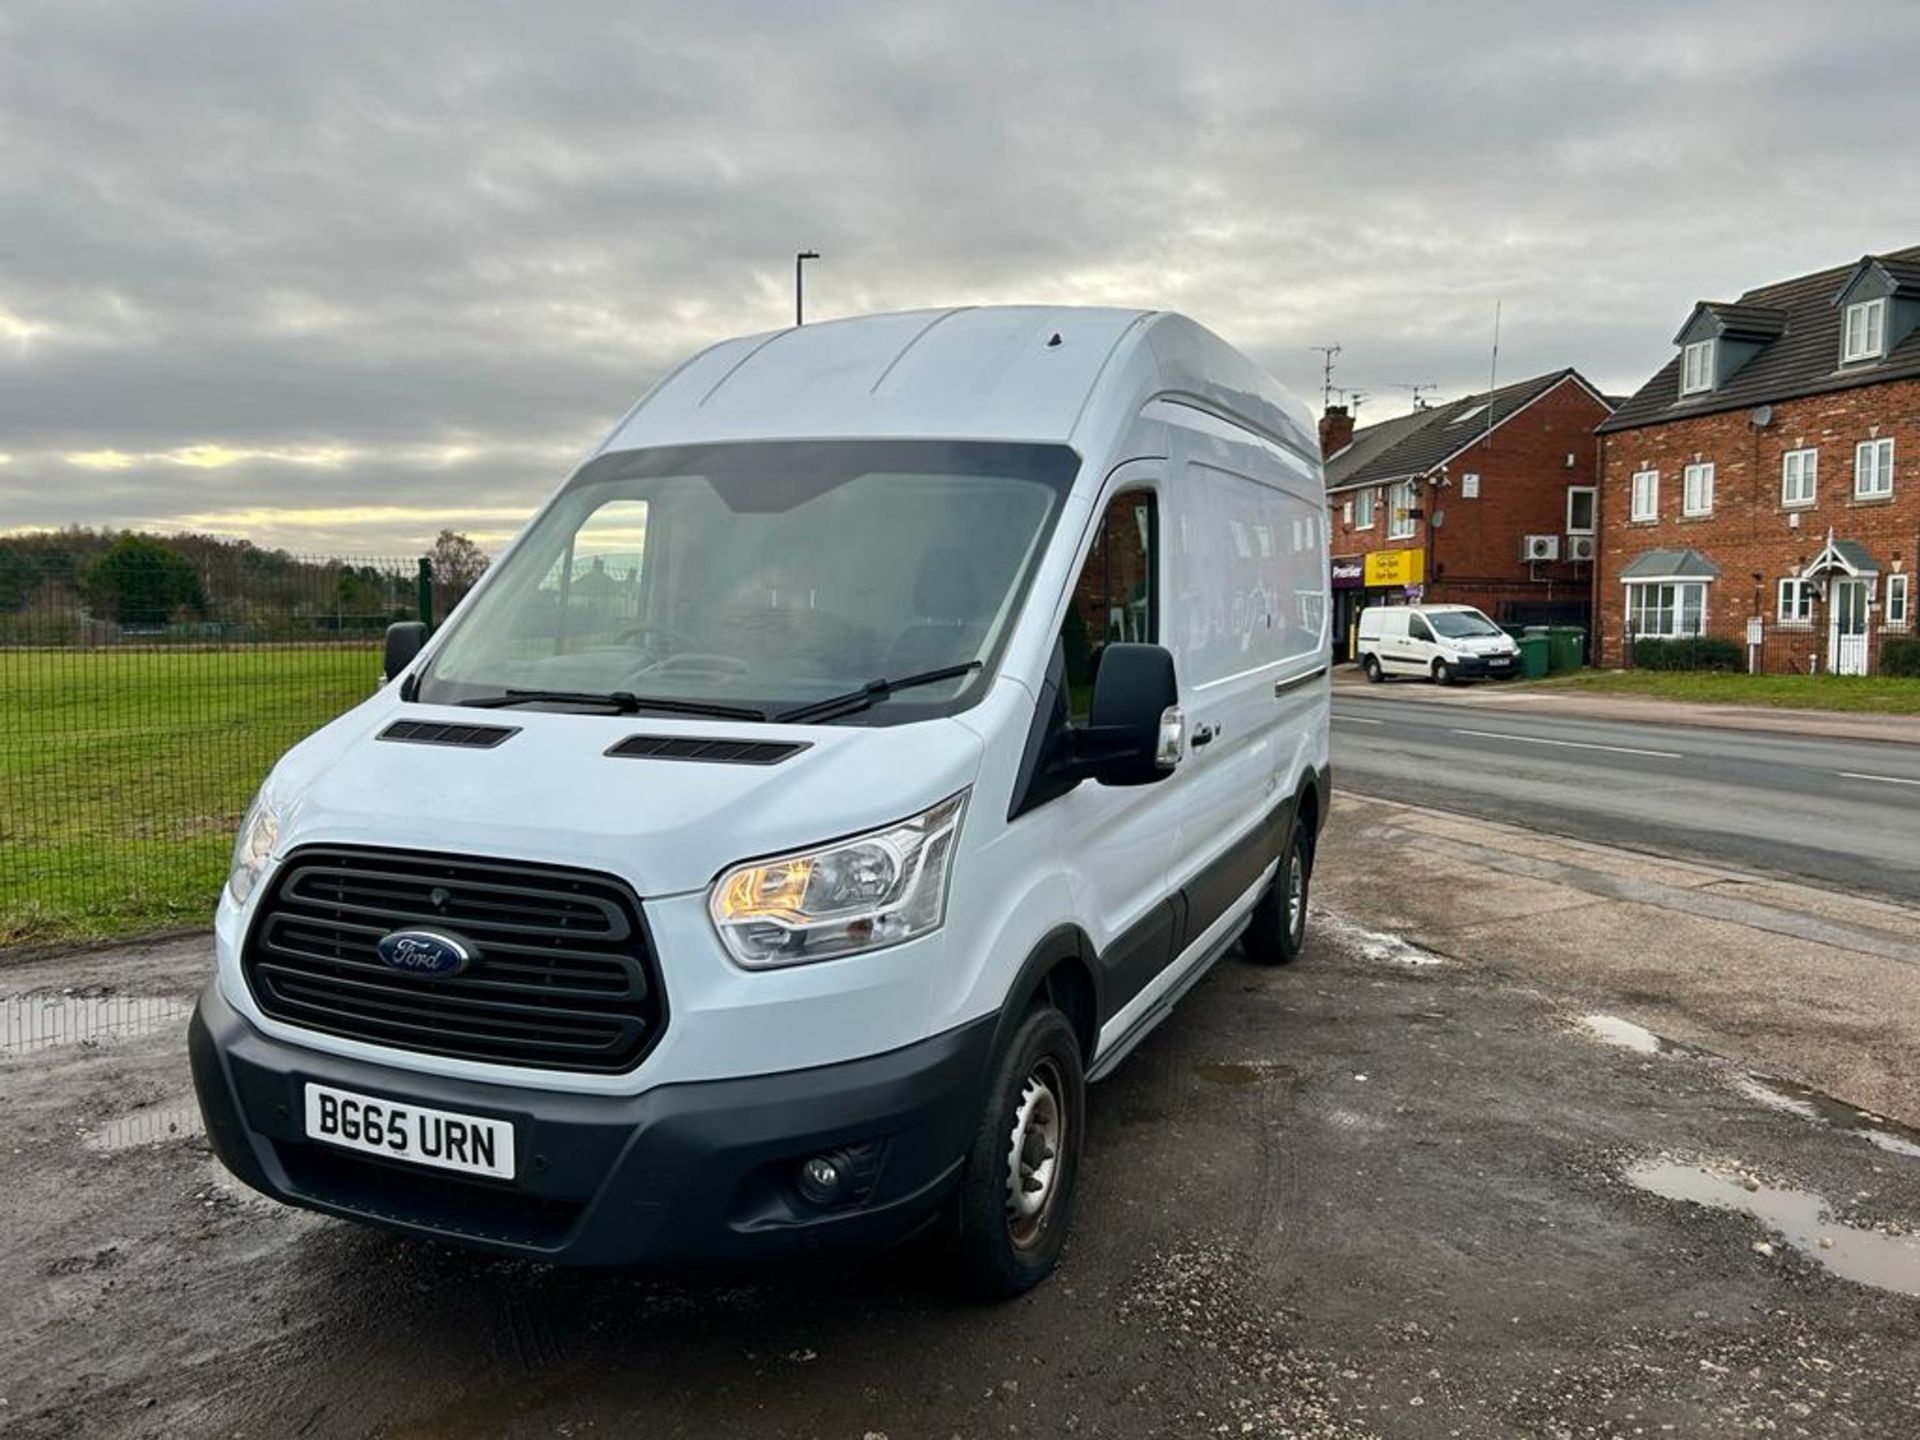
point(1011, 372)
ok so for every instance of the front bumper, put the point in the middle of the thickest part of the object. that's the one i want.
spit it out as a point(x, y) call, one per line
point(1477, 667)
point(687, 1174)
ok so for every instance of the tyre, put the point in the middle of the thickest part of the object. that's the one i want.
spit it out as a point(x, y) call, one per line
point(1277, 929)
point(1017, 1200)
point(1370, 667)
point(1442, 673)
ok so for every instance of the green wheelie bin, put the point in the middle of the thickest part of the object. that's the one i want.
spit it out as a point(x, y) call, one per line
point(1533, 655)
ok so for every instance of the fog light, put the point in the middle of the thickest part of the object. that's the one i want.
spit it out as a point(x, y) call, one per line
point(841, 1176)
point(822, 1179)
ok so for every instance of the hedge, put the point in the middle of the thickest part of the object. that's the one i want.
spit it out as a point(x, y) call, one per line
point(1900, 658)
point(1704, 653)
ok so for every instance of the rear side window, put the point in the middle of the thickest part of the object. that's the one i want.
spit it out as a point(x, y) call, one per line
point(1248, 574)
point(1116, 596)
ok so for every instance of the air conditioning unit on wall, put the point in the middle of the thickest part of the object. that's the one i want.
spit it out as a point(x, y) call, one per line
point(1539, 547)
point(1580, 547)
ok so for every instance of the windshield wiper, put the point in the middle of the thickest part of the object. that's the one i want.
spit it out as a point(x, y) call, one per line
point(868, 694)
point(621, 702)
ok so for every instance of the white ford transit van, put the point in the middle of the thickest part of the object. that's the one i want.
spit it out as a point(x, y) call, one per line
point(1442, 643)
point(860, 753)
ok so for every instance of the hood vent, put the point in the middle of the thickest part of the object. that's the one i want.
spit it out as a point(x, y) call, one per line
point(440, 732)
point(718, 752)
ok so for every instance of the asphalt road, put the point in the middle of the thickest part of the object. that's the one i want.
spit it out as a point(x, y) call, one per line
point(1844, 813)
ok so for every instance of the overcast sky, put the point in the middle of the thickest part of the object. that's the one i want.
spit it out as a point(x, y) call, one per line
point(335, 276)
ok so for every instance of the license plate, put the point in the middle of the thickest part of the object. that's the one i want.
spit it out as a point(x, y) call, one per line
point(469, 1144)
point(1501, 660)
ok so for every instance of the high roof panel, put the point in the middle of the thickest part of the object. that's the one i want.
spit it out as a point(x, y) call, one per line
point(959, 374)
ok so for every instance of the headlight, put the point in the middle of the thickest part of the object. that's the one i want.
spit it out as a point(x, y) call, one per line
point(860, 894)
point(259, 833)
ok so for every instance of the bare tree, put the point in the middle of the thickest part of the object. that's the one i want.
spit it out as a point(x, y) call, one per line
point(458, 564)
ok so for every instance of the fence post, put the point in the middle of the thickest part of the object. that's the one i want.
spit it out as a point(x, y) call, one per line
point(423, 586)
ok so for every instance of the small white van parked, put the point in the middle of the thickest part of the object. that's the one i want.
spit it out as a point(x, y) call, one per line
point(1442, 643)
point(860, 753)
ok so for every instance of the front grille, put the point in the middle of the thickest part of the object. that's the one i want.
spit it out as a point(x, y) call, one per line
point(564, 979)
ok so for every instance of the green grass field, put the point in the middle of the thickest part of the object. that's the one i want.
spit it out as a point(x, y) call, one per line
point(123, 775)
point(1862, 693)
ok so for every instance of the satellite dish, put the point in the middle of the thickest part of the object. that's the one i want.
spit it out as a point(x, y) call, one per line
point(1761, 417)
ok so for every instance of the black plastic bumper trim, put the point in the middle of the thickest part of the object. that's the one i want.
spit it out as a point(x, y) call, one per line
point(686, 1174)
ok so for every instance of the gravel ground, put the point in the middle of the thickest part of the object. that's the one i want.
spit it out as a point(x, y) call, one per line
point(1383, 1192)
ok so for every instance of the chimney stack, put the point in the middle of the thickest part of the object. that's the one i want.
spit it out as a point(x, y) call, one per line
point(1336, 431)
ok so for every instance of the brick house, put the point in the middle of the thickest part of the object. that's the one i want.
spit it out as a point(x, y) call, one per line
point(1766, 482)
point(1485, 501)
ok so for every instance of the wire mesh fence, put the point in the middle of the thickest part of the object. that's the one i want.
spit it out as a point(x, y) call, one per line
point(146, 687)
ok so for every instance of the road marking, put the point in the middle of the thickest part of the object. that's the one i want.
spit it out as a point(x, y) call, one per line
point(1883, 779)
point(1356, 719)
point(1574, 744)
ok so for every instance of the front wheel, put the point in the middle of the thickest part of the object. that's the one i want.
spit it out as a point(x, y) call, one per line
point(1442, 673)
point(1017, 1200)
point(1277, 928)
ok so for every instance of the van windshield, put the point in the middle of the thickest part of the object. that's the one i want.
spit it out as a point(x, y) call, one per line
point(764, 575)
point(1462, 624)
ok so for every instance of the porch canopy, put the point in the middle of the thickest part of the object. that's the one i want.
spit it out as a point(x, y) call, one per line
point(1668, 565)
point(1847, 558)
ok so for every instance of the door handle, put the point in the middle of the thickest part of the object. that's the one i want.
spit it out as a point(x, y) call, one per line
point(1204, 735)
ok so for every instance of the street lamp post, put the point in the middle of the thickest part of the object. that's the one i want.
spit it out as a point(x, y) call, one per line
point(799, 285)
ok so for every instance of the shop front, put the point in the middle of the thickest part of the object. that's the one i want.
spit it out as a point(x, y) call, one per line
point(1380, 577)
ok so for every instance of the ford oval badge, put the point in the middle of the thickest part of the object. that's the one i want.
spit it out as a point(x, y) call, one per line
point(432, 953)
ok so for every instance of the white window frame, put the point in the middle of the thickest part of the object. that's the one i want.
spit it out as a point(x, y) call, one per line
point(1899, 612)
point(1873, 480)
point(1800, 477)
point(1865, 334)
point(1696, 367)
point(1675, 608)
point(1651, 511)
point(1793, 603)
point(1702, 471)
point(1593, 509)
point(1400, 522)
point(1364, 505)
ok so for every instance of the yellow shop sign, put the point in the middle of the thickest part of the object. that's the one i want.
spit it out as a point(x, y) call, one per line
point(1397, 567)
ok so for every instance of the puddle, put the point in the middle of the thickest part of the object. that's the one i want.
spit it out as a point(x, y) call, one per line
point(32, 1023)
point(1251, 1072)
point(1816, 1105)
point(1867, 1257)
point(156, 1126)
point(1381, 946)
point(1612, 1030)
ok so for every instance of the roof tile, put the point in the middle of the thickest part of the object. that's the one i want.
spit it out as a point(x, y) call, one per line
point(1803, 360)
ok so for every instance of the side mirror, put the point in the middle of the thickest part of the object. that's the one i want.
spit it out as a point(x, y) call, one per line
point(404, 641)
point(1136, 733)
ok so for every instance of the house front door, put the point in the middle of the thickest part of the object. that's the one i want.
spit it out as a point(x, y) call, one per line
point(1847, 627)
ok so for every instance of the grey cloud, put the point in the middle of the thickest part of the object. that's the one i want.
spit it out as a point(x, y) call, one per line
point(390, 228)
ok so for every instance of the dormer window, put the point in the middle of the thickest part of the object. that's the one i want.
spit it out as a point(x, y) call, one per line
point(1696, 367)
point(1866, 331)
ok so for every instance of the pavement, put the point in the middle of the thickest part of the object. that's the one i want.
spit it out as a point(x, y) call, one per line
point(1432, 1181)
point(1641, 710)
point(1797, 807)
